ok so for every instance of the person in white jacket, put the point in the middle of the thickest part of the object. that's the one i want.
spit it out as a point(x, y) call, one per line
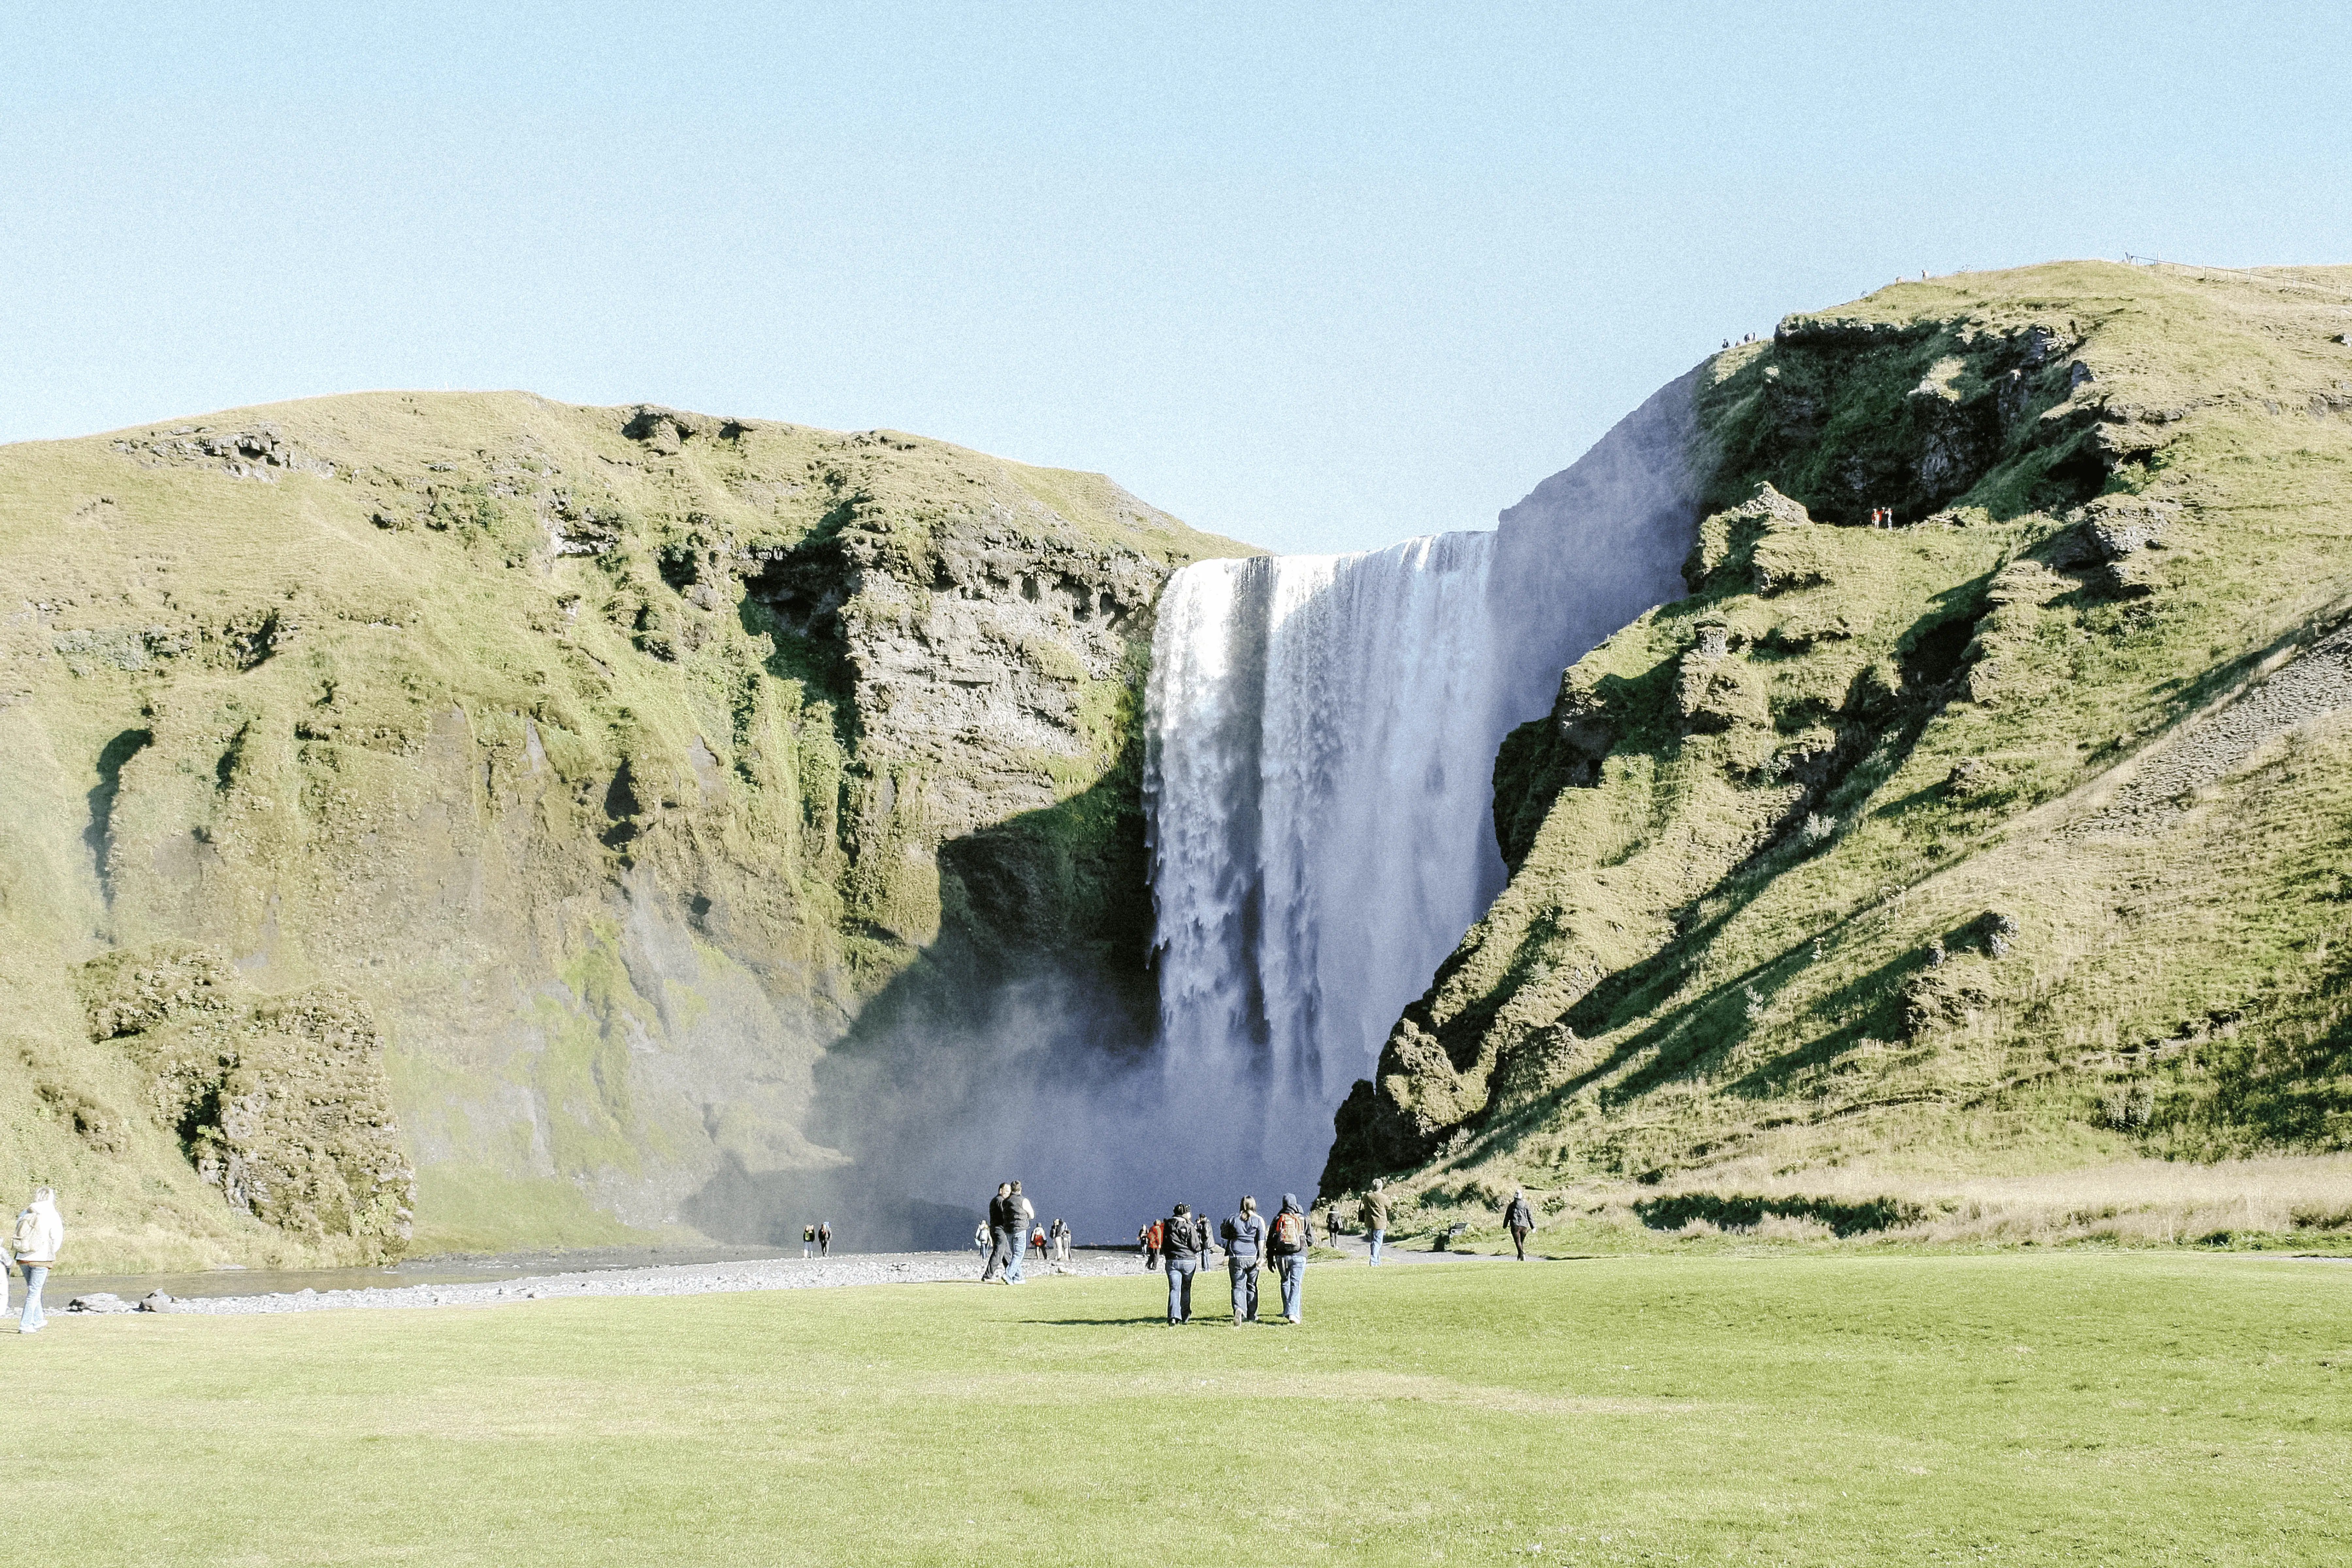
point(39, 1234)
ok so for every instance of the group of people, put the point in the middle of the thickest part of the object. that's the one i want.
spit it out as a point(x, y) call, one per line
point(1010, 1231)
point(1180, 1245)
point(816, 1239)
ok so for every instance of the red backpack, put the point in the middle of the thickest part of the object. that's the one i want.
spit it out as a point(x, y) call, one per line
point(1290, 1230)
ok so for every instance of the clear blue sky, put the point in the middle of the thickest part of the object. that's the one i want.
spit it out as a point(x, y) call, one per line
point(1321, 277)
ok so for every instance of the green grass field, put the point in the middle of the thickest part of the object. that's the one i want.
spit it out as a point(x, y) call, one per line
point(2077, 1407)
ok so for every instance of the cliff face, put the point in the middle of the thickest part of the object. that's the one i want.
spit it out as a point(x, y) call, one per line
point(2003, 836)
point(551, 789)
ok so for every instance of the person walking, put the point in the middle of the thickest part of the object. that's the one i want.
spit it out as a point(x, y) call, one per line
point(1286, 1245)
point(1331, 1222)
point(1019, 1215)
point(824, 1236)
point(1376, 1217)
point(1180, 1251)
point(39, 1234)
point(979, 1238)
point(1244, 1237)
point(1200, 1237)
point(808, 1241)
point(1060, 1236)
point(1520, 1218)
point(1000, 1238)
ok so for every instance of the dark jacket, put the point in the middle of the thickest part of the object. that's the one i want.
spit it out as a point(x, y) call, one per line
point(997, 1218)
point(1274, 1232)
point(1244, 1237)
point(1517, 1215)
point(1178, 1238)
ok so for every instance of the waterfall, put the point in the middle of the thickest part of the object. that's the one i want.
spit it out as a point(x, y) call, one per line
point(1320, 738)
point(1318, 773)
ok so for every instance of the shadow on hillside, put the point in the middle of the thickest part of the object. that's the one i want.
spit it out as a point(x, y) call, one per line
point(1737, 1212)
point(993, 1053)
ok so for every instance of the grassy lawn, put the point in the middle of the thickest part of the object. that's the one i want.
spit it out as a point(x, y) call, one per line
point(2084, 1407)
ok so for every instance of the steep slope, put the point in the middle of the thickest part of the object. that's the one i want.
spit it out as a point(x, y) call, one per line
point(2010, 838)
point(448, 819)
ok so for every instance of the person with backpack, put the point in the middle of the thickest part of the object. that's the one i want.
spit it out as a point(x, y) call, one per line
point(39, 1234)
point(1518, 1218)
point(1019, 1215)
point(1179, 1250)
point(1376, 1217)
point(824, 1236)
point(1288, 1245)
point(1244, 1236)
point(1000, 1238)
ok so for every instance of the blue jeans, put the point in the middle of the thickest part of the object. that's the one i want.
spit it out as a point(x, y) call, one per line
point(1019, 1246)
point(1376, 1236)
point(1291, 1269)
point(1180, 1287)
point(35, 1276)
point(1245, 1273)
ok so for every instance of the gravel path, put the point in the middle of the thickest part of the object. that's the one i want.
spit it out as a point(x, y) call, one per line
point(673, 1279)
point(695, 1279)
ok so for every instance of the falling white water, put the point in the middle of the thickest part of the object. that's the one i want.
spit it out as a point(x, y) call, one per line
point(1317, 784)
point(1321, 734)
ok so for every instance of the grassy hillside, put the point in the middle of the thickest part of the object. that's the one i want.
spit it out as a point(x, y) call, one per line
point(524, 795)
point(2012, 839)
point(1797, 1410)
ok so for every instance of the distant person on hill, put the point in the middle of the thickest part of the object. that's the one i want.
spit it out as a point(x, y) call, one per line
point(808, 1241)
point(999, 1237)
point(1244, 1237)
point(1179, 1249)
point(824, 1236)
point(1518, 1218)
point(1021, 1214)
point(1331, 1222)
point(1376, 1217)
point(1286, 1245)
point(39, 1234)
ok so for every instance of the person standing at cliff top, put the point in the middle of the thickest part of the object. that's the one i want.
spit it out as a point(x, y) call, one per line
point(1518, 1218)
point(824, 1236)
point(1000, 1238)
point(39, 1234)
point(1019, 1215)
point(1180, 1251)
point(1288, 1245)
point(1376, 1217)
point(1244, 1237)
